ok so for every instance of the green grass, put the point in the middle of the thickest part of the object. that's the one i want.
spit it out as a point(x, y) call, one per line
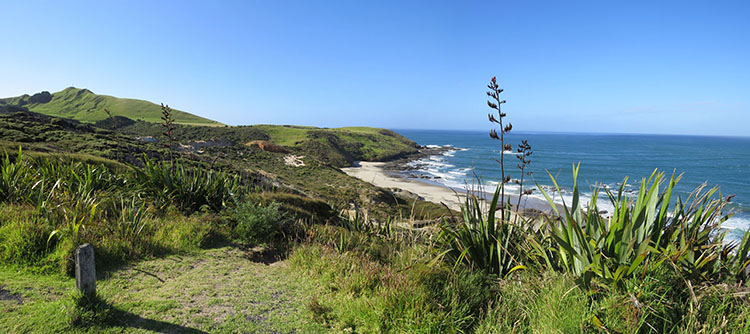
point(216, 291)
point(286, 135)
point(83, 105)
point(341, 146)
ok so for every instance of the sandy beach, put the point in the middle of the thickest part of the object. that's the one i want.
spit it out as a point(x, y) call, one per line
point(374, 173)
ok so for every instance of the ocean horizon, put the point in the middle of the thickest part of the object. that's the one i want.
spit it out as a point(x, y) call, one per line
point(605, 160)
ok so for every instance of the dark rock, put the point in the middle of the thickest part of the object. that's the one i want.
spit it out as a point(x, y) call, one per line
point(42, 97)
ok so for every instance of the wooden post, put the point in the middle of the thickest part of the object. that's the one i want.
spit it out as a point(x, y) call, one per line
point(85, 272)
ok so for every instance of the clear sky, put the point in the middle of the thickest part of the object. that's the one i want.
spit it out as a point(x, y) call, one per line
point(569, 66)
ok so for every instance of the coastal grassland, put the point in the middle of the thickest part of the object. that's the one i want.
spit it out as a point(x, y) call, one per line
point(205, 269)
point(506, 277)
point(370, 144)
point(199, 243)
point(318, 179)
point(50, 204)
point(40, 134)
point(154, 241)
point(338, 147)
point(85, 106)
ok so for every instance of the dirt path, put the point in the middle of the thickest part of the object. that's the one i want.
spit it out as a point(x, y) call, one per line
point(217, 291)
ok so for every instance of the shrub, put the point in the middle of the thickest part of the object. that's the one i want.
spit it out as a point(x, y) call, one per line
point(256, 224)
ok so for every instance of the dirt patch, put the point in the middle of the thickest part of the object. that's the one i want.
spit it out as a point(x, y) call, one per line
point(267, 146)
point(294, 160)
point(197, 147)
point(7, 295)
point(264, 256)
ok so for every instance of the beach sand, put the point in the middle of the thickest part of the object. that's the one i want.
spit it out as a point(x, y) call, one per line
point(374, 173)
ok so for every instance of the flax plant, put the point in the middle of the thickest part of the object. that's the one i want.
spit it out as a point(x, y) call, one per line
point(484, 243)
point(167, 117)
point(524, 152)
point(16, 179)
point(494, 93)
point(188, 188)
point(489, 243)
point(642, 232)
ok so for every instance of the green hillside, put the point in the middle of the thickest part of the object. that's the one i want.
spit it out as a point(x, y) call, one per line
point(85, 106)
point(338, 147)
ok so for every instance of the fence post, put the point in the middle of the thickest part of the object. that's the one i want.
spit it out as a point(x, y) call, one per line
point(85, 272)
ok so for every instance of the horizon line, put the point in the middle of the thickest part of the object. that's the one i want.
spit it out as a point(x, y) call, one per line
point(582, 133)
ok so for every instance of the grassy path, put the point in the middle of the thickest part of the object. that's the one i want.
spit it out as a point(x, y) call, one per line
point(219, 290)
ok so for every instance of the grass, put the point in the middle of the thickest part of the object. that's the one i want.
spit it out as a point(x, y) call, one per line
point(342, 146)
point(216, 290)
point(48, 205)
point(85, 106)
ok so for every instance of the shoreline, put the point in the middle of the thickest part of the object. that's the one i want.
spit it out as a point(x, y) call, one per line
point(376, 174)
point(386, 175)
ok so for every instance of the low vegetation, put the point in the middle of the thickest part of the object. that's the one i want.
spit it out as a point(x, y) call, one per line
point(244, 242)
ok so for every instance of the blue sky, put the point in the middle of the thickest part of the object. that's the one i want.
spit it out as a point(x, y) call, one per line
point(629, 67)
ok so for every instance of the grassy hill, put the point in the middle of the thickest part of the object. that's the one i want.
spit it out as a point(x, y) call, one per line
point(85, 106)
point(323, 150)
point(338, 147)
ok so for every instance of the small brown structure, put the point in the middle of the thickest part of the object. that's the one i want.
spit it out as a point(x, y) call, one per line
point(267, 146)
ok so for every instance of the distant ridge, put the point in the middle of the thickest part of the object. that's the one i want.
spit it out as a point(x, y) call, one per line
point(83, 105)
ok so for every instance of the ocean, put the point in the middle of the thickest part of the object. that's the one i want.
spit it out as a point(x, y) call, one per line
point(605, 159)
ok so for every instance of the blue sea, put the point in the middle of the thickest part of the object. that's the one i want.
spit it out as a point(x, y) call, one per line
point(605, 159)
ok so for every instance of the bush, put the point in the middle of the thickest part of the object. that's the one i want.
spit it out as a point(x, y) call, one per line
point(256, 224)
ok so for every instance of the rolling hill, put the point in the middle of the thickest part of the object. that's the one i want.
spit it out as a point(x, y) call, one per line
point(83, 105)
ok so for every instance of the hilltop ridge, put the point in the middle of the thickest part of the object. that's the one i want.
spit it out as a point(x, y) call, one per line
point(83, 105)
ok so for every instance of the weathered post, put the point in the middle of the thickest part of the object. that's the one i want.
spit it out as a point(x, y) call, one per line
point(85, 272)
